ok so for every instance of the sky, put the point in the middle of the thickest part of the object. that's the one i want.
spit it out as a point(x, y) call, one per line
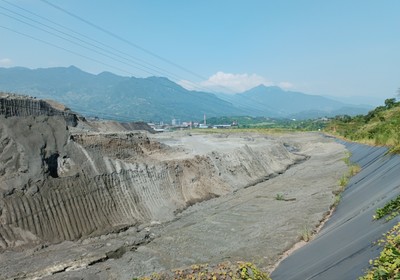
point(341, 48)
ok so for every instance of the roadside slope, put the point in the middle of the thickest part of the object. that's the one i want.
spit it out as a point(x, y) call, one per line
point(345, 245)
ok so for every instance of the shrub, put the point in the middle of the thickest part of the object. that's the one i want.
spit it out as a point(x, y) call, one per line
point(306, 233)
point(354, 169)
point(343, 181)
point(387, 265)
point(227, 270)
point(391, 209)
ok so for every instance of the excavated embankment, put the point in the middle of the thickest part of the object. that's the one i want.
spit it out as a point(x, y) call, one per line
point(79, 202)
point(12, 105)
point(57, 185)
point(246, 224)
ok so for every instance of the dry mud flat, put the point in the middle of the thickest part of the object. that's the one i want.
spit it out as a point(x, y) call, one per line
point(246, 222)
point(251, 224)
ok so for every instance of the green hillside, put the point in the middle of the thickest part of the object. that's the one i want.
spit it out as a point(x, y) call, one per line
point(380, 126)
point(109, 96)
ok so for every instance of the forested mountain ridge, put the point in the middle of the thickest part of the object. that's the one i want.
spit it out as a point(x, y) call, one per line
point(110, 96)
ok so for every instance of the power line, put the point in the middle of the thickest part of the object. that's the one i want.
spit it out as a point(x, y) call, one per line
point(104, 52)
point(64, 49)
point(112, 34)
point(68, 40)
point(131, 58)
point(152, 69)
point(75, 53)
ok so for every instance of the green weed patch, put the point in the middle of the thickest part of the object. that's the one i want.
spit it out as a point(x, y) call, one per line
point(387, 265)
point(390, 210)
point(223, 271)
point(380, 127)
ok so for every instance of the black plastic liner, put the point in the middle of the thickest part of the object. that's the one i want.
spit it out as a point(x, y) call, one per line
point(346, 243)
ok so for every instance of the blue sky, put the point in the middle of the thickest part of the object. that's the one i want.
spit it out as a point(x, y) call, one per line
point(337, 48)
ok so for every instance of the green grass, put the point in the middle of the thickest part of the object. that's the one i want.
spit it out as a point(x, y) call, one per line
point(269, 123)
point(380, 127)
point(223, 271)
point(387, 265)
point(306, 233)
point(346, 159)
point(344, 180)
point(390, 210)
point(352, 170)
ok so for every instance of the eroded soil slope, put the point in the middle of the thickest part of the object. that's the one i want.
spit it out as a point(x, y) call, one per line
point(79, 201)
point(247, 224)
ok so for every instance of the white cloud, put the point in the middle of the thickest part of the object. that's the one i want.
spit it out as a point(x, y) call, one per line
point(285, 85)
point(228, 82)
point(5, 62)
point(231, 83)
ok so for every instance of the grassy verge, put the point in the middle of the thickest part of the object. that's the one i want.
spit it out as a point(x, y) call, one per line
point(223, 271)
point(380, 127)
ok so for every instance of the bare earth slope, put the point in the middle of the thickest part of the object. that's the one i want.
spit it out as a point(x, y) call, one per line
point(76, 202)
point(61, 186)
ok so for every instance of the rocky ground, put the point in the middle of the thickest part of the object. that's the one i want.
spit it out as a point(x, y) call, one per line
point(79, 202)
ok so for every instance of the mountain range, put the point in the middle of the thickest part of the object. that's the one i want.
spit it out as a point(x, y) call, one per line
point(110, 96)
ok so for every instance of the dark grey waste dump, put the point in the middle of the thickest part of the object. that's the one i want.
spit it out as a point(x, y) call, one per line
point(345, 245)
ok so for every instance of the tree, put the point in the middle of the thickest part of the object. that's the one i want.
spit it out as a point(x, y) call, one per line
point(390, 103)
